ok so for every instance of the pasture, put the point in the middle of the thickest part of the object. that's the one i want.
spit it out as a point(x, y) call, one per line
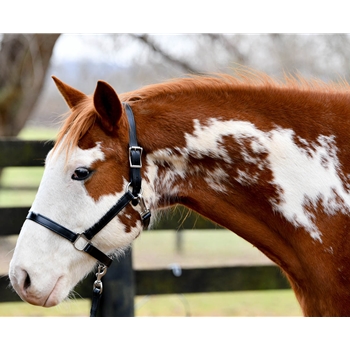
point(155, 249)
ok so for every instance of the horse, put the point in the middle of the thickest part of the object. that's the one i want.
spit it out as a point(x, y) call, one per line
point(267, 159)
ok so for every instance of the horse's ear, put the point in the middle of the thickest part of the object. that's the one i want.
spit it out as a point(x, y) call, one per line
point(71, 95)
point(107, 105)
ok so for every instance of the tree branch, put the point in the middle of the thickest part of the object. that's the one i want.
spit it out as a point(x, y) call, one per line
point(145, 38)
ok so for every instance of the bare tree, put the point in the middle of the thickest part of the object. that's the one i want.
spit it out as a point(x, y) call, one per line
point(156, 58)
point(146, 39)
point(24, 59)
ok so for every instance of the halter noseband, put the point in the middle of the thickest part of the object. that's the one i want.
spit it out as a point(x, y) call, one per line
point(82, 241)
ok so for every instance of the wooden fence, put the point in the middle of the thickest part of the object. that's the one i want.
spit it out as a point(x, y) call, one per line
point(122, 282)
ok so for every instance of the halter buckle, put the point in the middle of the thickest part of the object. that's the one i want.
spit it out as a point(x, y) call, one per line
point(81, 242)
point(138, 149)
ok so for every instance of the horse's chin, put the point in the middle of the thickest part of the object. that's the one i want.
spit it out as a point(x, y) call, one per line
point(51, 300)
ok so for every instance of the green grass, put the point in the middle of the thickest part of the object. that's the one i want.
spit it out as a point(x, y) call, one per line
point(238, 304)
point(77, 308)
point(246, 304)
point(27, 181)
point(27, 178)
point(38, 134)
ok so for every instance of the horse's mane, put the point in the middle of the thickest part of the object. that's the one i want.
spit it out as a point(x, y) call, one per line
point(243, 78)
point(83, 116)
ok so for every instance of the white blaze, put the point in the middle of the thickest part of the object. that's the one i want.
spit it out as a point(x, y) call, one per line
point(53, 264)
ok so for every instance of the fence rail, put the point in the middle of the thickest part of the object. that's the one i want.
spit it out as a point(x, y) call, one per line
point(193, 280)
point(15, 152)
point(122, 283)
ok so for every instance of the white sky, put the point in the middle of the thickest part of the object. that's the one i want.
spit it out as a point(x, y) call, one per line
point(75, 46)
point(94, 46)
point(153, 16)
point(182, 16)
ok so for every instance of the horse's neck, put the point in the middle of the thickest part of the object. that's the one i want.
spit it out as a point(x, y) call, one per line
point(237, 147)
point(259, 153)
point(270, 175)
point(205, 154)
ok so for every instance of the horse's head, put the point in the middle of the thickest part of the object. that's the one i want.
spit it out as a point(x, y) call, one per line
point(85, 174)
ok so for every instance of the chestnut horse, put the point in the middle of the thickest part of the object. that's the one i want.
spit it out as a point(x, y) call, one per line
point(267, 160)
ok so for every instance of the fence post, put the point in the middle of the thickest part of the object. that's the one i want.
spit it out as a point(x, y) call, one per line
point(179, 241)
point(118, 289)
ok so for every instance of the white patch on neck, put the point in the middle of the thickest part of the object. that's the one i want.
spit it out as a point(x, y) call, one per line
point(207, 140)
point(307, 175)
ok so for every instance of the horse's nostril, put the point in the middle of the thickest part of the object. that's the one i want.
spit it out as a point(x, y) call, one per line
point(27, 282)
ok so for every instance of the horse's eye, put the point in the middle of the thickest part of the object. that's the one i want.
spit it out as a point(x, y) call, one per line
point(81, 174)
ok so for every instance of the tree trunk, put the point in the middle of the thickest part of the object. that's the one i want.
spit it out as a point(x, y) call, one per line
point(24, 59)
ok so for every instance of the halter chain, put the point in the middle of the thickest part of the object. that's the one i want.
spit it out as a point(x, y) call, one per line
point(82, 241)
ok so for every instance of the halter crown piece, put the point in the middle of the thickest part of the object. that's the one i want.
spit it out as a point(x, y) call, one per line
point(82, 241)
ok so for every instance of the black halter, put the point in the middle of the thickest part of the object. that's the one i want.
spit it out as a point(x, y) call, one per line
point(82, 241)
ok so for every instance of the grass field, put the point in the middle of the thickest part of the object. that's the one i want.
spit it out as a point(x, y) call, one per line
point(238, 304)
point(152, 250)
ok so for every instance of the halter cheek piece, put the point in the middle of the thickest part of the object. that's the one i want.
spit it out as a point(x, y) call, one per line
point(82, 241)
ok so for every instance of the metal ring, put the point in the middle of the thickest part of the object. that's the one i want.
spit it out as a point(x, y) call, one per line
point(127, 190)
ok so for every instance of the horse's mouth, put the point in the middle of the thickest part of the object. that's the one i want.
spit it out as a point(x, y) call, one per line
point(53, 299)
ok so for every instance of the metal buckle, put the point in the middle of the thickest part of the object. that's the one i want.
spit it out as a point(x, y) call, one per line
point(81, 242)
point(135, 148)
